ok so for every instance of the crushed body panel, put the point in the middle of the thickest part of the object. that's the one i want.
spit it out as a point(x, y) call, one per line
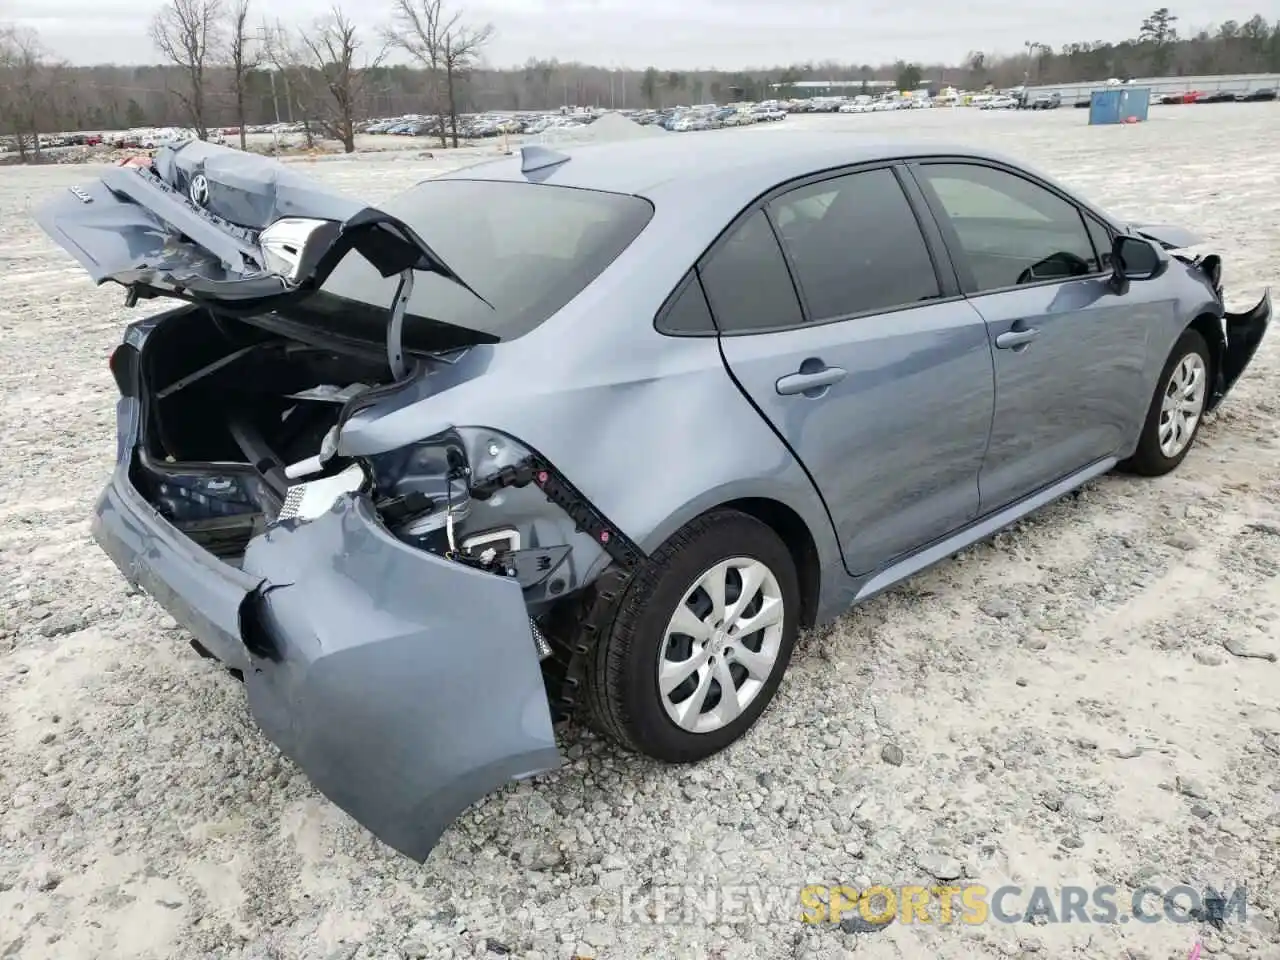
point(404, 685)
point(190, 226)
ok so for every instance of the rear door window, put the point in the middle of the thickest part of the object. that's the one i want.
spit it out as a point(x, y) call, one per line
point(747, 280)
point(526, 248)
point(855, 245)
point(688, 313)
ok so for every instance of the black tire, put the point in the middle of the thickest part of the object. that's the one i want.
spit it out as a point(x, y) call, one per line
point(622, 693)
point(1149, 460)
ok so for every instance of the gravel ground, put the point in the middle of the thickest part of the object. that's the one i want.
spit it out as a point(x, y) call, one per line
point(1056, 707)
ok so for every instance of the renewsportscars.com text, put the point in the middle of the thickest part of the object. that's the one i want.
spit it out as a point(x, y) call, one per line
point(702, 904)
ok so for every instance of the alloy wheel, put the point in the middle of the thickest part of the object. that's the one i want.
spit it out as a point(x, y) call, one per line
point(1183, 404)
point(721, 645)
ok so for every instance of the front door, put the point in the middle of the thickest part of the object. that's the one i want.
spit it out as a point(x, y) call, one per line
point(1069, 352)
point(836, 325)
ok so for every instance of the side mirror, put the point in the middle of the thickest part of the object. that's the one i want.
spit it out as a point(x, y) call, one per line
point(1134, 258)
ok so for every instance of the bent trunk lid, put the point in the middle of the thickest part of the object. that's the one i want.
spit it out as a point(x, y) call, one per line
point(191, 226)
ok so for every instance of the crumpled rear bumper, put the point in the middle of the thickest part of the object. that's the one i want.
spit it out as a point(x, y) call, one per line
point(404, 685)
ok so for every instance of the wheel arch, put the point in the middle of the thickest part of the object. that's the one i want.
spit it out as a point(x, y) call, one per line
point(1206, 320)
point(1209, 326)
point(794, 512)
point(794, 533)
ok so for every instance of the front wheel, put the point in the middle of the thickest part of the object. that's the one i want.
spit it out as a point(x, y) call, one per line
point(1176, 410)
point(700, 642)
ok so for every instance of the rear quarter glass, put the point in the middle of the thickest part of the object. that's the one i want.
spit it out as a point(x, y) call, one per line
point(526, 248)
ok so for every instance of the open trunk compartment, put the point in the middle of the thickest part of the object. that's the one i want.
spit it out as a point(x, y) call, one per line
point(226, 408)
point(223, 385)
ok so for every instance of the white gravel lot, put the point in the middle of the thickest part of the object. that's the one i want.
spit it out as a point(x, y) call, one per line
point(1065, 707)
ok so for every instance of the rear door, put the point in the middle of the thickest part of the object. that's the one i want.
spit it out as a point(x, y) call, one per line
point(838, 325)
point(1069, 351)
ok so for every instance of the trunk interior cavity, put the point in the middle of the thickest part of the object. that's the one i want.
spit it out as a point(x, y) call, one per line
point(226, 407)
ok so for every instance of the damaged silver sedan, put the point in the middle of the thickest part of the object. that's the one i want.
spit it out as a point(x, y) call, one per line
point(601, 432)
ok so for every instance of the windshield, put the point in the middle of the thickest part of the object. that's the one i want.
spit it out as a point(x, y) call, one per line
point(527, 248)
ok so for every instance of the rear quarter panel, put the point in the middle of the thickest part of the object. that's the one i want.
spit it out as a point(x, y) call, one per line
point(650, 428)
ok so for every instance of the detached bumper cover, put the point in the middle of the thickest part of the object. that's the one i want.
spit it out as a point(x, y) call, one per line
point(405, 686)
point(1244, 334)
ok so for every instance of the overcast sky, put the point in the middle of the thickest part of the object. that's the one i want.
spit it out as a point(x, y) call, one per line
point(677, 34)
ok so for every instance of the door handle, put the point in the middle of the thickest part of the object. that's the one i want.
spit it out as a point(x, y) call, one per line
point(809, 383)
point(1016, 338)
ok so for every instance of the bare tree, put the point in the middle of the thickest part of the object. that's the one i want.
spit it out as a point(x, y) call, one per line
point(243, 55)
point(338, 74)
point(445, 46)
point(10, 114)
point(26, 88)
point(188, 33)
point(417, 32)
point(462, 47)
point(287, 58)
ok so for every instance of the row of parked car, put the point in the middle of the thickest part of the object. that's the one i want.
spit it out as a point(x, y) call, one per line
point(711, 116)
point(1263, 94)
point(1014, 99)
point(470, 126)
point(677, 119)
point(1019, 101)
point(866, 104)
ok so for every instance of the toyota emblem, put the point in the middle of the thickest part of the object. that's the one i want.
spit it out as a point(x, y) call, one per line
point(199, 191)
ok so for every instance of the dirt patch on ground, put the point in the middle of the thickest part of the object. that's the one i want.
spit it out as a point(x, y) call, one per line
point(1058, 707)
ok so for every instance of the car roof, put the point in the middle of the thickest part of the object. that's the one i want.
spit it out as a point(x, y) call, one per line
point(739, 163)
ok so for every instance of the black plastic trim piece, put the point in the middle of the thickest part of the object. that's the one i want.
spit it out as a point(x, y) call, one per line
point(124, 369)
point(562, 493)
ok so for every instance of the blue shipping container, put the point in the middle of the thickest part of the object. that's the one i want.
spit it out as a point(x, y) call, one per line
point(1118, 104)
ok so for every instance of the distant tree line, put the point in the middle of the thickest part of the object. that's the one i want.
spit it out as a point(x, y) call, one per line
point(222, 67)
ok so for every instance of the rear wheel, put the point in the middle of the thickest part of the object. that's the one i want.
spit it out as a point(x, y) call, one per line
point(701, 640)
point(1176, 410)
